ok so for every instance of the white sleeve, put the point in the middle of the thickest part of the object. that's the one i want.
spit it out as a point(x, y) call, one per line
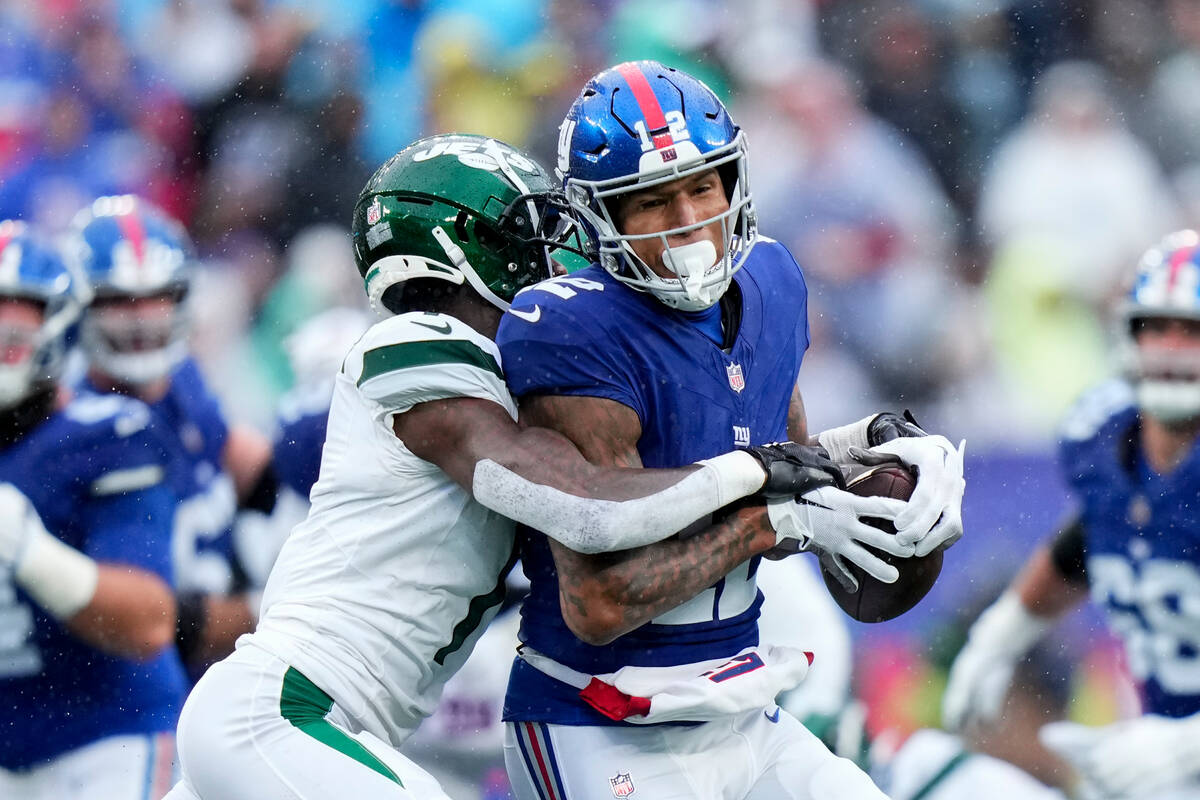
point(588, 525)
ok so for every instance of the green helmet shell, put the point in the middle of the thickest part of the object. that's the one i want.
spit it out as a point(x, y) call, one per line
point(458, 207)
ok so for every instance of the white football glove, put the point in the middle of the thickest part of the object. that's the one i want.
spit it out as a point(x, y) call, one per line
point(933, 516)
point(1132, 758)
point(983, 670)
point(18, 522)
point(826, 519)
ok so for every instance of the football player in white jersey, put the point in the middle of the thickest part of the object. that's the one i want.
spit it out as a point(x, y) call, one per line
point(379, 596)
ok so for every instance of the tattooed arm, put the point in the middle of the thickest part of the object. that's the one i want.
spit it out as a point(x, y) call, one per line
point(606, 595)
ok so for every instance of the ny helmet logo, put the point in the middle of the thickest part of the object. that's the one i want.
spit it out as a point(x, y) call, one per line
point(737, 381)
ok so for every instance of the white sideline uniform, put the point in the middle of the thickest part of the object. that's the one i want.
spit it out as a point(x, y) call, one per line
point(375, 601)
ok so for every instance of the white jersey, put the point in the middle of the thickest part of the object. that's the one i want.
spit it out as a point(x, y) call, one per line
point(380, 594)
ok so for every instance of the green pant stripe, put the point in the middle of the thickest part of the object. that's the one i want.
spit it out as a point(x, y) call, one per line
point(305, 706)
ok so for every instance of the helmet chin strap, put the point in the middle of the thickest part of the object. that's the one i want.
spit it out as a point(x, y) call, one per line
point(691, 262)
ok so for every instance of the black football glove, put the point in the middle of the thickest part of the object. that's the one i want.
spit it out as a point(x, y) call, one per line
point(888, 426)
point(793, 469)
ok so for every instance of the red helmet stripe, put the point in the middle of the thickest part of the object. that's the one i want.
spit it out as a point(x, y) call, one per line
point(1180, 257)
point(132, 229)
point(648, 103)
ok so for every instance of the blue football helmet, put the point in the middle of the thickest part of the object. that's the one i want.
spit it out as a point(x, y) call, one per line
point(32, 270)
point(129, 249)
point(1166, 285)
point(639, 125)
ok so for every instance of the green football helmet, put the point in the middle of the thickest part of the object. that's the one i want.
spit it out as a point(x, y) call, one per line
point(460, 208)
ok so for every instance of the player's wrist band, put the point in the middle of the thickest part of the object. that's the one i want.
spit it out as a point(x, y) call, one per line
point(737, 474)
point(867, 433)
point(58, 577)
point(838, 441)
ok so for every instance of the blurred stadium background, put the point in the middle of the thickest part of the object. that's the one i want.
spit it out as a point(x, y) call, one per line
point(964, 181)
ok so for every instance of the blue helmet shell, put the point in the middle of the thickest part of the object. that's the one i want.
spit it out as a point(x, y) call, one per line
point(639, 125)
point(31, 269)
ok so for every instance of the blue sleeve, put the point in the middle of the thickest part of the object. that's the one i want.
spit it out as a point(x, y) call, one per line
point(559, 353)
point(133, 528)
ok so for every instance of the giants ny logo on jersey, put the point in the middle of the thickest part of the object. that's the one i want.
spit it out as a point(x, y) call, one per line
point(741, 435)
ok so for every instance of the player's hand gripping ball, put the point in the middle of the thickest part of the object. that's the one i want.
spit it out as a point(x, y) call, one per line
point(875, 601)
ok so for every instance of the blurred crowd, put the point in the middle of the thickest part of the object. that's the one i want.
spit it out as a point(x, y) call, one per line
point(966, 182)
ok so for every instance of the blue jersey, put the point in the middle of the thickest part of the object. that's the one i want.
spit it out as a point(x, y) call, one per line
point(303, 417)
point(1142, 543)
point(95, 473)
point(588, 334)
point(191, 418)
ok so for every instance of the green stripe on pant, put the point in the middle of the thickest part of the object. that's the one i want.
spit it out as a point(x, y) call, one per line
point(305, 706)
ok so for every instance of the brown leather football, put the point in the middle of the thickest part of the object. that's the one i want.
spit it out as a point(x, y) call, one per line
point(875, 601)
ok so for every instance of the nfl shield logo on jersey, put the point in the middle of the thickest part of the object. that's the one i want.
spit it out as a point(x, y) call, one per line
point(736, 381)
point(622, 785)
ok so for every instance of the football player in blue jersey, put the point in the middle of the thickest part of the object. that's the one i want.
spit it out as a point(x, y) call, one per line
point(139, 263)
point(89, 683)
point(684, 338)
point(1129, 452)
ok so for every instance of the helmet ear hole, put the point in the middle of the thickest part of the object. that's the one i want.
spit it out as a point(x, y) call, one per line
point(488, 236)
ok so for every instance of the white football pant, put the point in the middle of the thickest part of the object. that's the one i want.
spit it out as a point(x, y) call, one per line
point(765, 754)
point(254, 729)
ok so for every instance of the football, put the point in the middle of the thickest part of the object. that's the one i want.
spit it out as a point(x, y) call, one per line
point(875, 601)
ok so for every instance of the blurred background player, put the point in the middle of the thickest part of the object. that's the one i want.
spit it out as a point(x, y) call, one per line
point(927, 764)
point(378, 597)
point(1129, 452)
point(89, 681)
point(315, 352)
point(139, 263)
point(684, 337)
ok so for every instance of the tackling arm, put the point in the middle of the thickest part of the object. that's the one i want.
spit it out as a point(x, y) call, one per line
point(538, 477)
